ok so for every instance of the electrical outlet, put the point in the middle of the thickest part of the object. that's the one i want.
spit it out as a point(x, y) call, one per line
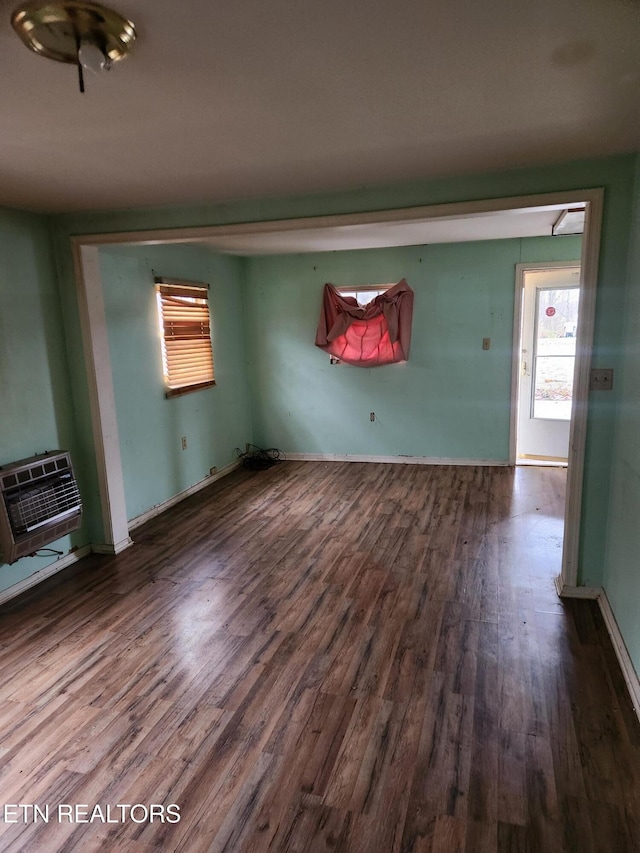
point(184, 442)
point(486, 343)
point(372, 416)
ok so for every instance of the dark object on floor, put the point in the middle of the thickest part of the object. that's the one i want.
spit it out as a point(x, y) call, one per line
point(257, 459)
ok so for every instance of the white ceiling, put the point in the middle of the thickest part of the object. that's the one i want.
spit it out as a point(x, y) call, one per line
point(254, 98)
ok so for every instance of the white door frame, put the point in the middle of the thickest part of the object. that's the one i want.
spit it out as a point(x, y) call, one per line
point(85, 249)
point(521, 271)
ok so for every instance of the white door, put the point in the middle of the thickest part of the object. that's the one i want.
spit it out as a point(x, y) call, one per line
point(548, 348)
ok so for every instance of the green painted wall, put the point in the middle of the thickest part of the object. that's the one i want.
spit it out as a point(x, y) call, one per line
point(44, 391)
point(214, 420)
point(36, 406)
point(450, 400)
point(615, 174)
point(622, 557)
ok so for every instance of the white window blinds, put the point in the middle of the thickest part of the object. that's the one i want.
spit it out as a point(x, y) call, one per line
point(185, 327)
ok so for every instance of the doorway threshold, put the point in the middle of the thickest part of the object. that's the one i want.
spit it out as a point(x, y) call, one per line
point(542, 462)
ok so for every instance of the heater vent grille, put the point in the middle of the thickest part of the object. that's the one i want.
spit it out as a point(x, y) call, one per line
point(40, 502)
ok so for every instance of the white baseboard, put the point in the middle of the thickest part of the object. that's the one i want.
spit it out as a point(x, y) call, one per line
point(111, 549)
point(565, 591)
point(624, 658)
point(160, 508)
point(42, 574)
point(397, 460)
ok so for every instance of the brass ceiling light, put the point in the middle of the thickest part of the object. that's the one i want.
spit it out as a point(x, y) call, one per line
point(84, 34)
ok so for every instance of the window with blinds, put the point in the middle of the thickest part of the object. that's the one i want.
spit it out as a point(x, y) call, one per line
point(185, 331)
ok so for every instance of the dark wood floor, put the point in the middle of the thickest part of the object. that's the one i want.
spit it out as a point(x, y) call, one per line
point(325, 657)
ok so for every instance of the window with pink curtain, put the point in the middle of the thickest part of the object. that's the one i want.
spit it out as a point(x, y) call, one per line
point(366, 335)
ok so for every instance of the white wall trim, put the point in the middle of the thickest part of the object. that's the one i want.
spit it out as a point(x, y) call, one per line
point(447, 210)
point(165, 505)
point(41, 574)
point(578, 427)
point(109, 462)
point(101, 396)
point(515, 362)
point(591, 592)
point(521, 270)
point(629, 673)
point(395, 460)
point(622, 653)
point(111, 548)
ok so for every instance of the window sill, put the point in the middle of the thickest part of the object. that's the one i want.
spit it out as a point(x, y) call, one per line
point(187, 389)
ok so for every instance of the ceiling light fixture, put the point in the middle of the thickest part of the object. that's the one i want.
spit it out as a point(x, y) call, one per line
point(84, 34)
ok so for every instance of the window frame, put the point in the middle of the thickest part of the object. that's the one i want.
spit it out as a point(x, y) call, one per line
point(350, 290)
point(197, 330)
point(347, 290)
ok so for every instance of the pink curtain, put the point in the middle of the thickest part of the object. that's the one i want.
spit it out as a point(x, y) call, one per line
point(370, 335)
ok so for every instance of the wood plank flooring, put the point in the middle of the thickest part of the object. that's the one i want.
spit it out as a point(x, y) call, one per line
point(323, 657)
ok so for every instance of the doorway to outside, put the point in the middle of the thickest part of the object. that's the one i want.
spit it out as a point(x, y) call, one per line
point(549, 320)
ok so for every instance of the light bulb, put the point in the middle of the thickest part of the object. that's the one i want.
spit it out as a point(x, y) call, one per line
point(92, 58)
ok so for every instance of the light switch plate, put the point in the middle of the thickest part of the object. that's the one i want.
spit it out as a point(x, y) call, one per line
point(601, 379)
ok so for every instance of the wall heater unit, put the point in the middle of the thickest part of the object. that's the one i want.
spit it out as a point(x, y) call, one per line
point(39, 503)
